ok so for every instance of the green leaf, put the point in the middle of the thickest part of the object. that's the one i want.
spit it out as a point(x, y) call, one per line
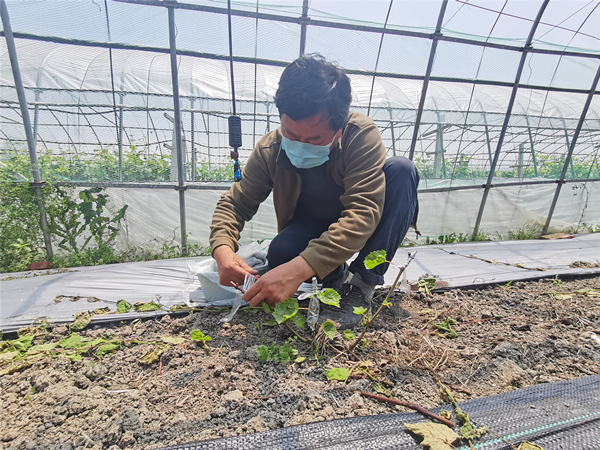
point(436, 436)
point(82, 320)
point(22, 344)
point(300, 360)
point(349, 334)
point(338, 373)
point(374, 259)
point(123, 306)
point(106, 348)
point(266, 308)
point(329, 297)
point(150, 306)
point(94, 342)
point(329, 329)
point(446, 327)
point(41, 348)
point(73, 341)
point(174, 340)
point(299, 320)
point(285, 310)
point(359, 310)
point(72, 356)
point(271, 323)
point(198, 335)
point(263, 353)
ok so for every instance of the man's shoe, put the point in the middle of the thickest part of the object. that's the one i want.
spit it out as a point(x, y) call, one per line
point(352, 297)
point(338, 282)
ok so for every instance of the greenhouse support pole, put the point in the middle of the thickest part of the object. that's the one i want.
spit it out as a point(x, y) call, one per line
point(177, 113)
point(436, 37)
point(31, 143)
point(571, 148)
point(392, 129)
point(193, 177)
point(533, 158)
point(120, 137)
point(520, 163)
point(511, 102)
point(303, 26)
point(568, 147)
point(487, 139)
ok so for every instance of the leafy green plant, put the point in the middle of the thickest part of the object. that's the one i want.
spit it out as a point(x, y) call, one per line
point(446, 327)
point(70, 220)
point(199, 336)
point(283, 353)
point(451, 238)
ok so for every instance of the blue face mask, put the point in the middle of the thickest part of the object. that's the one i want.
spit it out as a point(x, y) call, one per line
point(305, 156)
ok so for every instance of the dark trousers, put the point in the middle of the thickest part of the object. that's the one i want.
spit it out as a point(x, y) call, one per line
point(402, 180)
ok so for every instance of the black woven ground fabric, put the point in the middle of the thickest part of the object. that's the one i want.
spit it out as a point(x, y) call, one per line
point(563, 415)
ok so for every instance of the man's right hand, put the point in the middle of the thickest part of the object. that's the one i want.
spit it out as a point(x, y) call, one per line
point(231, 266)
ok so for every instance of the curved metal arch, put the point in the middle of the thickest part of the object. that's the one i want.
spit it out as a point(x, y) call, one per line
point(507, 117)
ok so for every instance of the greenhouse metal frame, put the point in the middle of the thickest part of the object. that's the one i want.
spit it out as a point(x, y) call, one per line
point(420, 111)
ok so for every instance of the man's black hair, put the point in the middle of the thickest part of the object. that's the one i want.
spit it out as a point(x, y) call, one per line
point(312, 84)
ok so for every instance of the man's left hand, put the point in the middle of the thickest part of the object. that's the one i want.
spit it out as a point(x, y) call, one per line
point(279, 283)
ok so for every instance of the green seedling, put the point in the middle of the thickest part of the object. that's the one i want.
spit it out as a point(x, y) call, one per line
point(467, 430)
point(199, 336)
point(283, 353)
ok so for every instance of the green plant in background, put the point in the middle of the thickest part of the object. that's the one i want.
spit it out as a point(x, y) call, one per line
point(76, 224)
point(451, 238)
point(533, 231)
point(21, 239)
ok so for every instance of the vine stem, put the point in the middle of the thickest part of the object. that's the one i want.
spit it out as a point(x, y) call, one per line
point(370, 321)
point(409, 405)
point(293, 331)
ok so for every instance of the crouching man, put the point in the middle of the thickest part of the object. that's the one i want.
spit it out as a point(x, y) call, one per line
point(334, 193)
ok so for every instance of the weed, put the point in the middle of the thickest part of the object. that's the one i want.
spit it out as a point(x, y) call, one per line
point(533, 231)
point(283, 353)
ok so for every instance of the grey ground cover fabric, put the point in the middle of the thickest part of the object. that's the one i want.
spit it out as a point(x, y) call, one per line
point(563, 415)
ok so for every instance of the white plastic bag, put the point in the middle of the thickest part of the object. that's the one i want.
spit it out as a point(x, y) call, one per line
point(213, 293)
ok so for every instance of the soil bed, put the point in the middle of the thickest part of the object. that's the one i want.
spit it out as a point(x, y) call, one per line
point(508, 337)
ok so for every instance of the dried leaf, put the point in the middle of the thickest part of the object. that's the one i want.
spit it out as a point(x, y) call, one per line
point(173, 340)
point(101, 311)
point(7, 356)
point(525, 445)
point(150, 358)
point(82, 320)
point(14, 368)
point(436, 436)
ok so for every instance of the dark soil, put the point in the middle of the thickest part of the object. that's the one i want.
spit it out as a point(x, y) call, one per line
point(508, 338)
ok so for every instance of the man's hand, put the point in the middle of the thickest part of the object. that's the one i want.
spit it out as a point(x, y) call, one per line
point(279, 283)
point(231, 266)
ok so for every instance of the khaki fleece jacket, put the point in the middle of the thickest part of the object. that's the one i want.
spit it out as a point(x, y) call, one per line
point(355, 163)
